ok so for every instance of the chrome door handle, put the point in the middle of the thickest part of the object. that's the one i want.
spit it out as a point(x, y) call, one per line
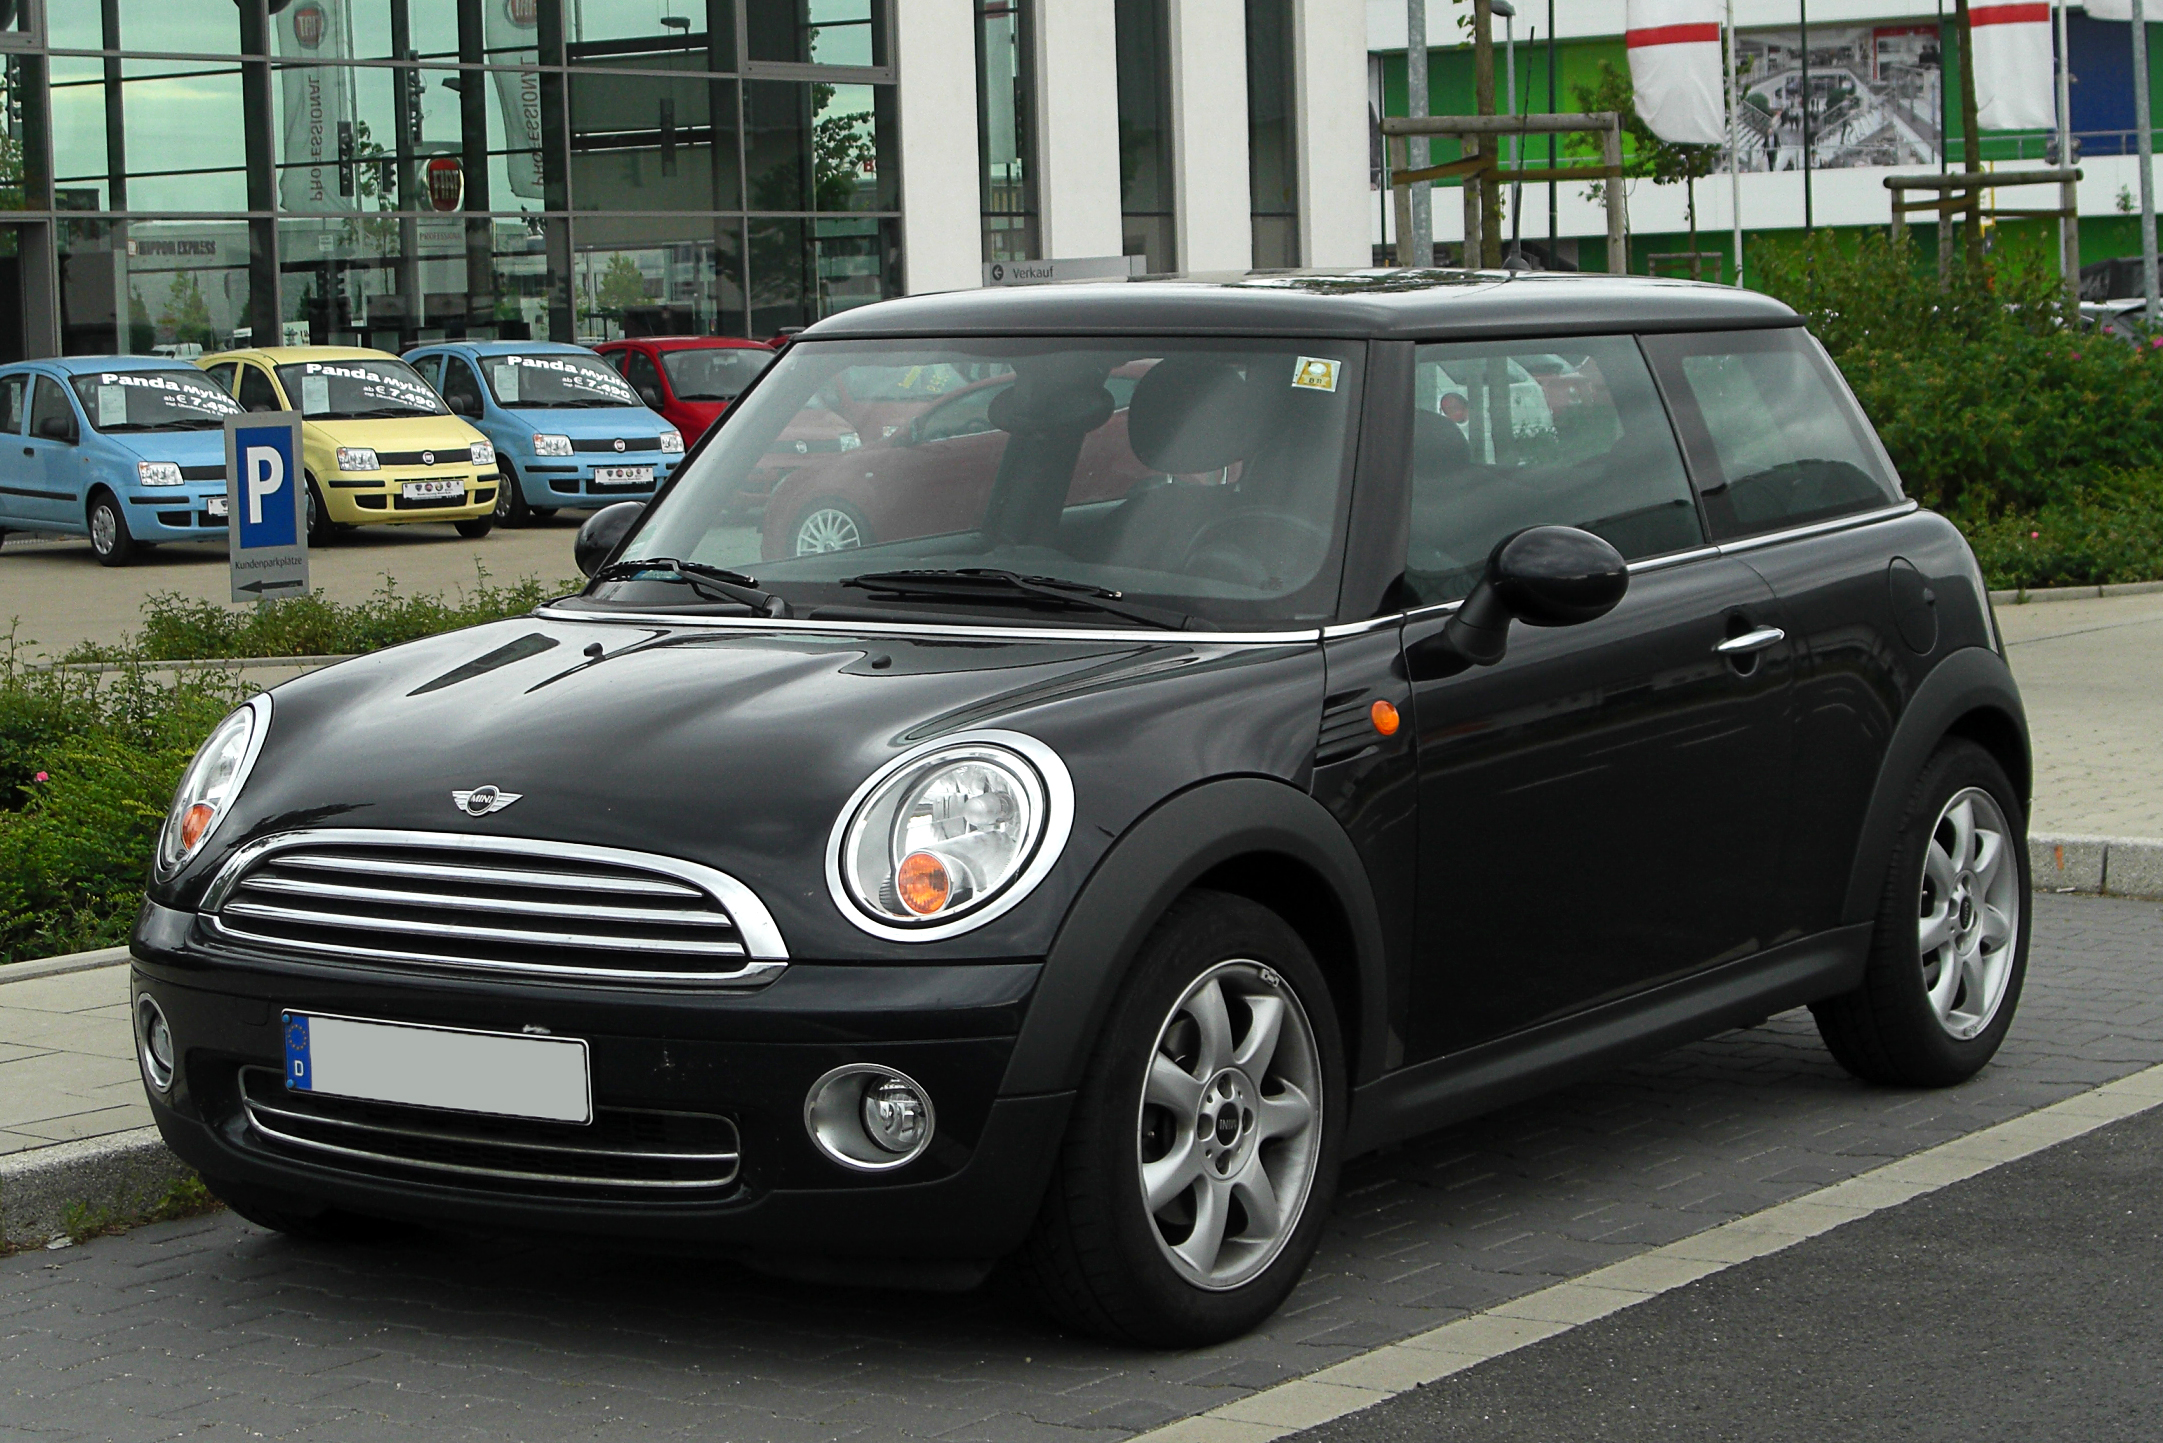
point(1751, 641)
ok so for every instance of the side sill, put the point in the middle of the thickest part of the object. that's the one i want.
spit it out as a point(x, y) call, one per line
point(1480, 1079)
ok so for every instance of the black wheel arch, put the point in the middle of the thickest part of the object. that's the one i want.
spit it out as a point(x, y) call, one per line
point(1255, 837)
point(1970, 694)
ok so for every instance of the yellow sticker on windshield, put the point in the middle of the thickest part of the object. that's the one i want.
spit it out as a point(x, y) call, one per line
point(1316, 374)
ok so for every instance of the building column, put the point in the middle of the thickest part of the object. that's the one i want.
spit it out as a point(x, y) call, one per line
point(1335, 206)
point(941, 203)
point(1077, 70)
point(1210, 194)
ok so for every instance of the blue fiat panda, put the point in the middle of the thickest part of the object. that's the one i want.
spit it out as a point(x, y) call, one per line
point(127, 450)
point(568, 430)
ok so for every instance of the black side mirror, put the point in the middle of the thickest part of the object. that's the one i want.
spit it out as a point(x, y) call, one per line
point(55, 428)
point(650, 397)
point(1541, 576)
point(603, 533)
point(463, 404)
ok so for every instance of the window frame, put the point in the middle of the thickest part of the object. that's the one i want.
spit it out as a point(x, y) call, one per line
point(67, 405)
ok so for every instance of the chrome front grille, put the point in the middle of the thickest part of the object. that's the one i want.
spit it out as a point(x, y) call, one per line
point(488, 904)
point(623, 1149)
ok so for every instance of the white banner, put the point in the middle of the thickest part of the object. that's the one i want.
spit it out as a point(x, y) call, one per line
point(511, 35)
point(1676, 69)
point(318, 99)
point(2014, 83)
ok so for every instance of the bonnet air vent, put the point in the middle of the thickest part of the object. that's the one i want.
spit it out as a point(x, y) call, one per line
point(1346, 732)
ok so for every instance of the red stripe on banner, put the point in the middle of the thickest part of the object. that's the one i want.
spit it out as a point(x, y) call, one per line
point(2030, 14)
point(1687, 34)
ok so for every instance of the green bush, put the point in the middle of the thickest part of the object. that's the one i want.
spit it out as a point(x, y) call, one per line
point(2102, 534)
point(1987, 403)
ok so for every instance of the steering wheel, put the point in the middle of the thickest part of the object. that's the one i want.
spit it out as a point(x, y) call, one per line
point(1257, 549)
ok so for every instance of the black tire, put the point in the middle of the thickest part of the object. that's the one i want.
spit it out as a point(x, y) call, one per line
point(476, 528)
point(542, 513)
point(321, 529)
point(1886, 1031)
point(511, 508)
point(110, 540)
point(297, 1217)
point(1096, 1258)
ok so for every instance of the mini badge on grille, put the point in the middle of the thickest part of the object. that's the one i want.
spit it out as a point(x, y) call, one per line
point(482, 800)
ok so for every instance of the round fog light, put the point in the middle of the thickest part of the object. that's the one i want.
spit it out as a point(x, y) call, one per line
point(868, 1118)
point(154, 1044)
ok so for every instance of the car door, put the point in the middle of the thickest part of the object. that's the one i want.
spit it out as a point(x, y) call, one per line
point(1782, 455)
point(17, 457)
point(54, 468)
point(1606, 808)
point(645, 378)
point(462, 389)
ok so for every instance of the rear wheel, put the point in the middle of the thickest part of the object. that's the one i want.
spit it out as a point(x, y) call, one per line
point(1950, 951)
point(1201, 1157)
point(110, 540)
point(831, 526)
point(511, 508)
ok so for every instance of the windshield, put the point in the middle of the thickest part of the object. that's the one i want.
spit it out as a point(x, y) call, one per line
point(153, 401)
point(555, 382)
point(1203, 480)
point(358, 389)
point(713, 373)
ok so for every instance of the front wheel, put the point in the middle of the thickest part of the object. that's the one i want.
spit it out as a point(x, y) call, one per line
point(320, 527)
point(1201, 1157)
point(476, 528)
point(1950, 949)
point(110, 540)
point(511, 508)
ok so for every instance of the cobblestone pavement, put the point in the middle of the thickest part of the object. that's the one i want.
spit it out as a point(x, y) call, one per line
point(215, 1329)
point(2091, 673)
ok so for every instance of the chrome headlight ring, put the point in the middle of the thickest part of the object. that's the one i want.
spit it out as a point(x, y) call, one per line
point(1045, 782)
point(199, 785)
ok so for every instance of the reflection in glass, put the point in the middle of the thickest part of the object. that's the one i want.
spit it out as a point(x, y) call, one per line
point(205, 27)
point(1006, 108)
point(185, 283)
point(78, 129)
point(816, 32)
point(652, 34)
point(1145, 139)
point(187, 141)
point(653, 142)
point(655, 276)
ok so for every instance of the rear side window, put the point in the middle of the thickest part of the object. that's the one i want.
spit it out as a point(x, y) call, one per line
point(1549, 432)
point(13, 390)
point(1774, 438)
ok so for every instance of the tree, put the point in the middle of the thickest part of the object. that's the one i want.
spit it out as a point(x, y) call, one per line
point(622, 286)
point(186, 316)
point(142, 335)
point(1664, 162)
point(841, 155)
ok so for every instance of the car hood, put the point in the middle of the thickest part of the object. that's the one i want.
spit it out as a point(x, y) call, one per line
point(395, 433)
point(738, 747)
point(182, 448)
point(615, 421)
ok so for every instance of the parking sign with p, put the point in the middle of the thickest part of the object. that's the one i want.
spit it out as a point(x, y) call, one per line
point(266, 500)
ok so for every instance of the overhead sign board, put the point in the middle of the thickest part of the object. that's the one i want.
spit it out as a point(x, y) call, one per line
point(266, 506)
point(1052, 272)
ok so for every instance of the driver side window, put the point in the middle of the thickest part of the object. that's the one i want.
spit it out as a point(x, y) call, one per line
point(1572, 434)
point(256, 391)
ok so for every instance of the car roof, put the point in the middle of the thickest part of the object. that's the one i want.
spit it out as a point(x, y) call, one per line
point(503, 348)
point(290, 355)
point(690, 343)
point(79, 365)
point(1379, 304)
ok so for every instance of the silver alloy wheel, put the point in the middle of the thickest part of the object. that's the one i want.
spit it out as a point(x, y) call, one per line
point(503, 500)
point(1969, 912)
point(104, 529)
point(827, 529)
point(1230, 1126)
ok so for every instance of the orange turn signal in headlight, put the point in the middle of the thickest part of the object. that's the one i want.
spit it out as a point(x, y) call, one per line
point(194, 822)
point(1385, 719)
point(922, 883)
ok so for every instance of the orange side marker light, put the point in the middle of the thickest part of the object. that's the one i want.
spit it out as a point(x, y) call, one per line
point(1385, 718)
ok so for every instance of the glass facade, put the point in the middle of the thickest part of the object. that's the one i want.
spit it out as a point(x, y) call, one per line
point(1272, 162)
point(386, 172)
point(1006, 128)
point(1143, 37)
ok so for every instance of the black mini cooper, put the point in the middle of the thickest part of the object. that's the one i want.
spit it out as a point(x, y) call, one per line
point(1187, 734)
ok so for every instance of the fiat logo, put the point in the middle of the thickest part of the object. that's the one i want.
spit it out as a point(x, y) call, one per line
point(523, 13)
point(619, 443)
point(309, 23)
point(428, 458)
point(446, 182)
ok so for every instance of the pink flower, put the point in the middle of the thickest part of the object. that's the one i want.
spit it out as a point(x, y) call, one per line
point(2155, 342)
point(2032, 536)
point(2076, 355)
point(41, 777)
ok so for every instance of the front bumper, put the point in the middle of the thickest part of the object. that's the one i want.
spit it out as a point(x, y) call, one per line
point(748, 1057)
point(371, 498)
point(572, 480)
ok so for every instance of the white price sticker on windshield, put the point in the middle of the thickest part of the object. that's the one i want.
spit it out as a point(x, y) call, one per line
point(112, 407)
point(506, 379)
point(314, 395)
point(1315, 373)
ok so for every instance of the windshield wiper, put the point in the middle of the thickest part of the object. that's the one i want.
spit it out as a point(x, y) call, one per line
point(991, 585)
point(714, 582)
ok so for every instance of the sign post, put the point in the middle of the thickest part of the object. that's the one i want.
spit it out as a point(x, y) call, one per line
point(266, 506)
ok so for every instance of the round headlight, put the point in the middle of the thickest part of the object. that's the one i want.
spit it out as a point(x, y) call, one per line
point(948, 836)
point(210, 784)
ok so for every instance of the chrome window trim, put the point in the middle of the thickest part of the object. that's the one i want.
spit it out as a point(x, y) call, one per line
point(1820, 528)
point(1051, 842)
point(1305, 636)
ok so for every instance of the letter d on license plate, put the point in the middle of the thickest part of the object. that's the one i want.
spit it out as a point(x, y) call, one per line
point(503, 1074)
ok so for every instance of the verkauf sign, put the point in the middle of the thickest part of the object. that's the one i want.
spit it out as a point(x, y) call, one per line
point(1051, 273)
point(266, 506)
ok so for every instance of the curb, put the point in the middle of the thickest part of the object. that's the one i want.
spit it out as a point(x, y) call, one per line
point(56, 966)
point(2021, 596)
point(119, 1175)
point(2106, 866)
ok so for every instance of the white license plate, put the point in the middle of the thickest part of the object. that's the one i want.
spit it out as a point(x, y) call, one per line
point(623, 475)
point(504, 1074)
point(431, 490)
point(216, 507)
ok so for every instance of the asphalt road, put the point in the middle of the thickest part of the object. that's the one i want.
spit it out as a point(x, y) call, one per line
point(2023, 1304)
point(214, 1329)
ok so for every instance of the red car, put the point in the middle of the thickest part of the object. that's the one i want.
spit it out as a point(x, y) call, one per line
point(689, 379)
point(933, 473)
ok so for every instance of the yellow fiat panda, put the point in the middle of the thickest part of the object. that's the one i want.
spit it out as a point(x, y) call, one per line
point(379, 444)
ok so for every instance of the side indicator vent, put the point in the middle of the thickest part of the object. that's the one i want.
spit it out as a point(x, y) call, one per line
point(1347, 730)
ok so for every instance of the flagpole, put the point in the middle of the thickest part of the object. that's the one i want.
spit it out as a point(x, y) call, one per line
point(1734, 141)
point(1803, 12)
point(2069, 225)
point(1551, 109)
point(2141, 119)
point(1421, 241)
